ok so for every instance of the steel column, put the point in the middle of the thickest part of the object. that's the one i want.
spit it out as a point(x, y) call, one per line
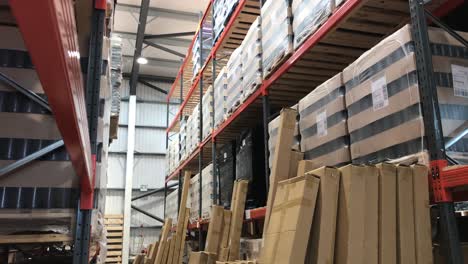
point(266, 136)
point(433, 132)
point(200, 136)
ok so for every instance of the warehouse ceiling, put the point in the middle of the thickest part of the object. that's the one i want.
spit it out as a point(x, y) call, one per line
point(166, 19)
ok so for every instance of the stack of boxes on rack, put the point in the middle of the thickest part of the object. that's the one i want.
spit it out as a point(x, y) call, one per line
point(235, 83)
point(252, 59)
point(220, 97)
point(193, 130)
point(222, 10)
point(208, 194)
point(116, 81)
point(207, 112)
point(200, 51)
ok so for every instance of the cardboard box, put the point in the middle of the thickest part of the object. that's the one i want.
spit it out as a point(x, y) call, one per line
point(405, 227)
point(238, 209)
point(322, 123)
point(202, 257)
point(234, 87)
point(321, 246)
point(382, 96)
point(252, 59)
point(220, 97)
point(293, 210)
point(387, 213)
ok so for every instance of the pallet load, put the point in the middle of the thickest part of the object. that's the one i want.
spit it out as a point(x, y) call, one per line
point(234, 81)
point(184, 139)
point(252, 59)
point(383, 100)
point(324, 134)
point(277, 34)
point(193, 129)
point(173, 152)
point(116, 82)
point(208, 194)
point(222, 10)
point(309, 15)
point(207, 112)
point(220, 96)
point(201, 51)
point(273, 132)
point(226, 171)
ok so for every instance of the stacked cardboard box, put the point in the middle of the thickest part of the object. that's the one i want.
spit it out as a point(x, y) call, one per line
point(220, 96)
point(277, 33)
point(200, 51)
point(324, 135)
point(207, 112)
point(193, 130)
point(172, 154)
point(222, 10)
point(234, 81)
point(383, 100)
point(309, 15)
point(252, 59)
point(184, 138)
point(273, 132)
point(208, 194)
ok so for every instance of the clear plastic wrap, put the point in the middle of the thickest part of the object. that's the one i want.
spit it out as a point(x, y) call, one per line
point(308, 16)
point(184, 139)
point(207, 194)
point(383, 100)
point(322, 123)
point(234, 80)
point(252, 59)
point(273, 127)
point(277, 33)
point(207, 110)
point(219, 96)
point(222, 10)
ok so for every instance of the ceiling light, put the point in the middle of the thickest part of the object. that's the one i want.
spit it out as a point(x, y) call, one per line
point(142, 60)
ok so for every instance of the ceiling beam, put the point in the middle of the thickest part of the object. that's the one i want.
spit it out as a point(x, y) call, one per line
point(152, 86)
point(139, 45)
point(168, 50)
point(158, 62)
point(171, 35)
point(161, 12)
point(170, 41)
point(151, 78)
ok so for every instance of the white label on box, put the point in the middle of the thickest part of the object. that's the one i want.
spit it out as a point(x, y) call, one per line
point(322, 124)
point(379, 93)
point(460, 80)
point(247, 214)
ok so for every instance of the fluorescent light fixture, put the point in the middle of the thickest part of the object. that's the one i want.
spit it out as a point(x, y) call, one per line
point(142, 60)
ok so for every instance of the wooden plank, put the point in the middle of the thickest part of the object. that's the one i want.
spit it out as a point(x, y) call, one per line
point(405, 224)
point(139, 259)
point(114, 253)
point(113, 216)
point(422, 217)
point(114, 240)
point(180, 227)
point(213, 238)
point(113, 221)
point(114, 246)
point(165, 250)
point(114, 228)
point(114, 234)
point(165, 232)
point(281, 158)
point(237, 220)
point(36, 238)
point(115, 260)
point(170, 256)
point(225, 234)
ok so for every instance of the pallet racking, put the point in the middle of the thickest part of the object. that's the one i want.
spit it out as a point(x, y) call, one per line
point(351, 29)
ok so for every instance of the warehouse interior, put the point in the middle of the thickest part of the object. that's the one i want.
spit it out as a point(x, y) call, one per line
point(234, 131)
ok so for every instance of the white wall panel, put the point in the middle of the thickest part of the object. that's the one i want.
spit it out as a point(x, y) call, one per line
point(147, 140)
point(148, 170)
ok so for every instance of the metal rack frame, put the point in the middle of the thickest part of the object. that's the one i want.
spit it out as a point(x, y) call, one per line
point(442, 181)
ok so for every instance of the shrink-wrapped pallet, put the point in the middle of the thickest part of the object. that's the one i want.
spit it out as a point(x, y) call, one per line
point(309, 15)
point(234, 81)
point(207, 111)
point(322, 123)
point(184, 138)
point(219, 96)
point(277, 33)
point(252, 59)
point(273, 127)
point(208, 195)
point(383, 98)
point(222, 10)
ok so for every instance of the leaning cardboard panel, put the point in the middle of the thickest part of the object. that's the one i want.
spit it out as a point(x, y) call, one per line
point(357, 223)
point(238, 208)
point(321, 246)
point(273, 133)
point(405, 227)
point(213, 238)
point(309, 15)
point(277, 35)
point(422, 218)
point(387, 213)
point(322, 123)
point(288, 232)
point(382, 96)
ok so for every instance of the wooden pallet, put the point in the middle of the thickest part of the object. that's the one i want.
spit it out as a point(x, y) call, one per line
point(114, 227)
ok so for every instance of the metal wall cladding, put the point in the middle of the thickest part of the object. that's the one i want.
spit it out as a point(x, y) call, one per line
point(147, 140)
point(147, 114)
point(140, 238)
point(148, 170)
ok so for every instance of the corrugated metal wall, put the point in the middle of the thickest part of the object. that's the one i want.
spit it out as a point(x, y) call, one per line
point(149, 164)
